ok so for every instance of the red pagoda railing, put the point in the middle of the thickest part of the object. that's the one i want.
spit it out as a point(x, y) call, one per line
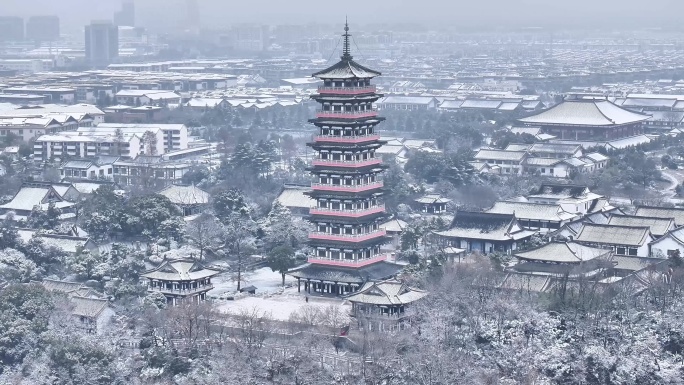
point(347, 237)
point(346, 90)
point(343, 188)
point(345, 139)
point(345, 114)
point(346, 213)
point(346, 163)
point(344, 262)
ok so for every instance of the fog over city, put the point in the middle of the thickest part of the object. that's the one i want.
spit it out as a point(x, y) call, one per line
point(484, 15)
point(364, 192)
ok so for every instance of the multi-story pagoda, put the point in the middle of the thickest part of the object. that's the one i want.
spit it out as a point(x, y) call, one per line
point(347, 183)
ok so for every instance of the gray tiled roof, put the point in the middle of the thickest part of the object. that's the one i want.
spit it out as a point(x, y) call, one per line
point(526, 282)
point(633, 263)
point(613, 235)
point(662, 212)
point(487, 226)
point(88, 307)
point(658, 226)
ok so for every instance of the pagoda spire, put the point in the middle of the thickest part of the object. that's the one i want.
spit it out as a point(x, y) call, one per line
point(346, 50)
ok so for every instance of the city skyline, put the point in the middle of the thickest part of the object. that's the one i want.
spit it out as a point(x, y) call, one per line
point(488, 15)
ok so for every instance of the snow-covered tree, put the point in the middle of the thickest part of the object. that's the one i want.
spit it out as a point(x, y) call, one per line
point(281, 259)
point(87, 265)
point(281, 228)
point(204, 232)
point(44, 219)
point(16, 267)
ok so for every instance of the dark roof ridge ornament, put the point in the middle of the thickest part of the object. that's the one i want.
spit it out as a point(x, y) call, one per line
point(346, 50)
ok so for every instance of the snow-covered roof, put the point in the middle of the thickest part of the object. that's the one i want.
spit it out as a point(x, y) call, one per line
point(432, 199)
point(27, 198)
point(451, 104)
point(585, 113)
point(394, 225)
point(88, 307)
point(562, 252)
point(614, 235)
point(400, 99)
point(526, 282)
point(483, 104)
point(534, 211)
point(295, 197)
point(662, 212)
point(658, 226)
point(346, 69)
point(488, 226)
point(180, 270)
point(556, 148)
point(388, 293)
point(488, 154)
point(185, 195)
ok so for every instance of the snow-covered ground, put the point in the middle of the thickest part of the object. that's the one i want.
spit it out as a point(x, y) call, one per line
point(271, 299)
point(265, 280)
point(281, 306)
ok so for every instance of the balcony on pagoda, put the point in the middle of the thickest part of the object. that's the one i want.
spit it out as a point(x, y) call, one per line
point(347, 188)
point(347, 163)
point(346, 139)
point(347, 237)
point(360, 262)
point(352, 213)
point(331, 90)
point(345, 114)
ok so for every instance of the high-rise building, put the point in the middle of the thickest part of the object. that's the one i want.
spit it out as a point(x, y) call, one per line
point(348, 186)
point(126, 16)
point(11, 28)
point(42, 28)
point(101, 43)
point(192, 19)
point(251, 37)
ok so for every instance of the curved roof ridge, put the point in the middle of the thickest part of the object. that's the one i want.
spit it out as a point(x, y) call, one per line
point(601, 111)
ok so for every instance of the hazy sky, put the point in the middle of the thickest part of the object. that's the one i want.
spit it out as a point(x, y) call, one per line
point(468, 13)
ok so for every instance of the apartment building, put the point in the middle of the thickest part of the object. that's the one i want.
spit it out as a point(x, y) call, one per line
point(173, 136)
point(71, 144)
point(149, 172)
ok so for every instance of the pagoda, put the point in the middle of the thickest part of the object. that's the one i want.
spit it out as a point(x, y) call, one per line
point(347, 184)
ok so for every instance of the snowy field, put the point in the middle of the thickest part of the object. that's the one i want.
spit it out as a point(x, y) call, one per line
point(271, 299)
point(265, 280)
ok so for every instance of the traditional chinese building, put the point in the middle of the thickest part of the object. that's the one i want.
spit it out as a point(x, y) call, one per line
point(347, 183)
point(384, 306)
point(583, 119)
point(179, 280)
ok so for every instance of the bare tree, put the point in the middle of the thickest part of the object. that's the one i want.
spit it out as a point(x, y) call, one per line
point(204, 232)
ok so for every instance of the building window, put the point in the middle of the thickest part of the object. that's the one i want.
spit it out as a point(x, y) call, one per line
point(633, 252)
point(621, 251)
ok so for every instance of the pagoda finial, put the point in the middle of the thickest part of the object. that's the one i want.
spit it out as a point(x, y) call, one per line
point(346, 50)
